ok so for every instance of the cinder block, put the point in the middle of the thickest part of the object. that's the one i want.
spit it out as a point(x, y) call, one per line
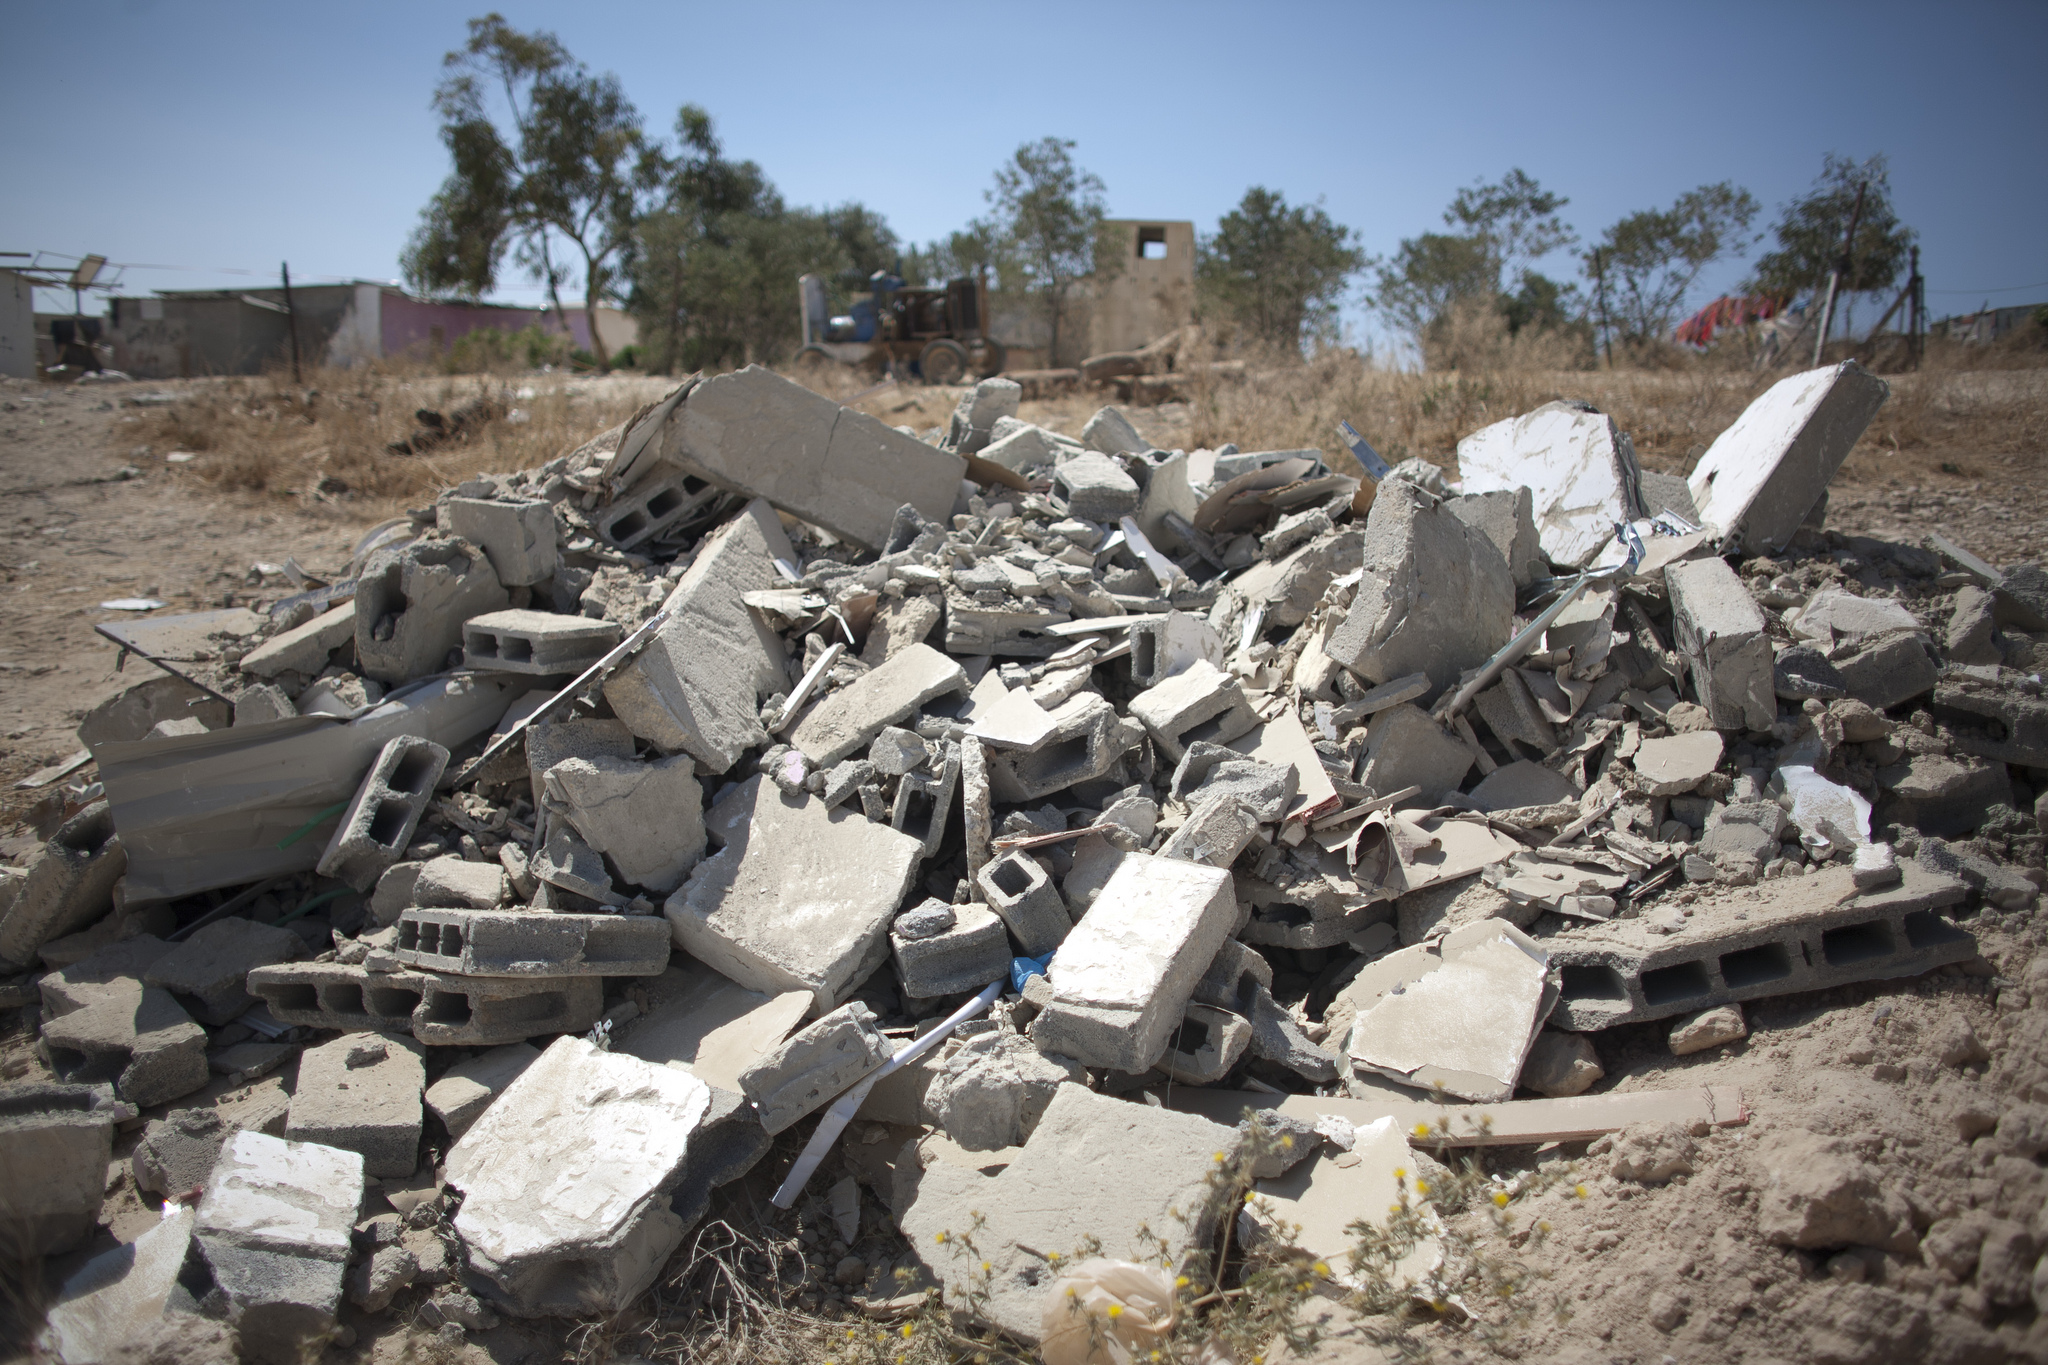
point(925, 800)
point(69, 883)
point(1161, 649)
point(815, 1064)
point(55, 1141)
point(1021, 894)
point(1088, 738)
point(1200, 703)
point(362, 1095)
point(1009, 628)
point(1806, 934)
point(652, 506)
point(206, 971)
point(379, 823)
point(437, 1009)
point(1207, 1044)
point(411, 602)
point(536, 642)
point(117, 1031)
point(1121, 981)
point(1215, 832)
point(974, 951)
point(304, 648)
point(517, 537)
point(1721, 631)
point(525, 943)
point(1405, 748)
point(1095, 487)
point(1996, 723)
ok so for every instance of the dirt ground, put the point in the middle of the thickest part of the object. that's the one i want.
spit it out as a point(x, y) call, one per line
point(1676, 1271)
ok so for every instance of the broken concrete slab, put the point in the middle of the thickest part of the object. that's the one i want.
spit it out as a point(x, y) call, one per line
point(972, 950)
point(452, 882)
point(1095, 487)
point(566, 1180)
point(362, 1094)
point(1579, 468)
point(756, 433)
point(535, 642)
point(518, 538)
point(117, 1298)
point(380, 821)
point(1675, 764)
point(55, 1141)
point(1521, 784)
point(1513, 715)
point(1758, 480)
point(1466, 1026)
point(206, 972)
point(799, 898)
point(1406, 748)
point(411, 601)
point(712, 1027)
point(1208, 1043)
point(1889, 671)
point(1019, 891)
point(647, 818)
point(273, 1232)
point(818, 1062)
point(1435, 597)
point(1009, 720)
point(67, 884)
point(696, 687)
point(1199, 703)
point(850, 718)
point(177, 1151)
point(1721, 632)
point(302, 649)
point(1121, 980)
point(1311, 1208)
point(522, 943)
point(991, 1091)
point(549, 742)
point(1147, 1168)
point(1833, 616)
point(1506, 517)
point(1217, 829)
point(1112, 433)
point(101, 1024)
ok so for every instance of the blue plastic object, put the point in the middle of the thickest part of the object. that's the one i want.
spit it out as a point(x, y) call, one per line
point(1022, 969)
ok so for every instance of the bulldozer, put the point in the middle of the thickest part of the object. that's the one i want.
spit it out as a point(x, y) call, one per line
point(940, 335)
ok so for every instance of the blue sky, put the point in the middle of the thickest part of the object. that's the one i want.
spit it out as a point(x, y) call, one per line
point(207, 134)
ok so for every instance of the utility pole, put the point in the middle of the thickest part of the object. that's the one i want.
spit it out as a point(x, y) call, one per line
point(1600, 303)
point(1842, 268)
point(1916, 318)
point(291, 318)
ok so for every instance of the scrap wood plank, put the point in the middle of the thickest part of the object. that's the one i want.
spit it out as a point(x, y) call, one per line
point(1514, 1123)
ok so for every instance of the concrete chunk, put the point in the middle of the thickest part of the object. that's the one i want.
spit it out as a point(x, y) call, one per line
point(1219, 828)
point(1721, 632)
point(566, 1181)
point(653, 504)
point(273, 1232)
point(972, 950)
point(1579, 468)
point(452, 882)
point(1095, 487)
point(1122, 978)
point(978, 411)
point(1086, 741)
point(924, 800)
point(526, 943)
point(462, 1095)
point(1466, 1026)
point(1160, 649)
point(55, 1141)
point(647, 818)
point(411, 602)
point(1675, 764)
point(68, 883)
point(119, 1297)
point(1208, 1043)
point(1110, 432)
point(1889, 671)
point(379, 823)
point(1436, 596)
point(817, 1063)
point(303, 648)
point(757, 433)
point(1201, 702)
point(1506, 517)
point(537, 642)
point(850, 718)
point(1405, 748)
point(696, 688)
point(800, 897)
point(1023, 896)
point(206, 971)
point(517, 537)
point(438, 1009)
point(1758, 480)
point(362, 1095)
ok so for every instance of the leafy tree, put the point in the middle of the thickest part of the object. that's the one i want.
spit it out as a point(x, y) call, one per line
point(1046, 226)
point(1810, 229)
point(1506, 227)
point(1645, 264)
point(564, 159)
point(1277, 272)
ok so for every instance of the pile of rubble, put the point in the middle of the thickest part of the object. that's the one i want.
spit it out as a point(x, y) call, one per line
point(1002, 791)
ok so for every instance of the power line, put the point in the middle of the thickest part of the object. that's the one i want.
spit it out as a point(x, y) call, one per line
point(2008, 289)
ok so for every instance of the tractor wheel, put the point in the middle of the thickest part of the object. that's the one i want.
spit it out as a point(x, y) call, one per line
point(994, 356)
point(943, 362)
point(813, 359)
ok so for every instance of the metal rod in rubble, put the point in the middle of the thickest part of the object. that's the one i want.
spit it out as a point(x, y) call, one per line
point(291, 317)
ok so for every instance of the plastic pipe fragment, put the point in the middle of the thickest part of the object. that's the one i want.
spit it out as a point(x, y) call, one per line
point(847, 1105)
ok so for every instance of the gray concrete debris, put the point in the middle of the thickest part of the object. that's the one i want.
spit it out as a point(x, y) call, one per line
point(1277, 1037)
point(1208, 1043)
point(452, 882)
point(536, 642)
point(895, 752)
point(177, 1151)
point(1521, 784)
point(1468, 1025)
point(1721, 632)
point(817, 1063)
point(567, 1178)
point(1506, 518)
point(67, 884)
point(1200, 703)
point(697, 686)
point(850, 718)
point(1675, 764)
point(1140, 1166)
point(1019, 891)
point(1122, 979)
point(1832, 616)
point(1707, 1029)
point(362, 1094)
point(1210, 770)
point(518, 537)
point(520, 943)
point(1436, 596)
point(1560, 1065)
point(1095, 487)
point(654, 504)
point(756, 433)
point(1758, 480)
point(1220, 827)
point(438, 1009)
point(924, 800)
point(970, 949)
point(411, 602)
point(1801, 672)
point(1579, 468)
point(1406, 748)
point(1889, 671)
point(1110, 432)
point(646, 818)
point(1087, 740)
point(1514, 717)
point(263, 703)
point(979, 409)
point(273, 1233)
point(108, 1027)
point(990, 1092)
point(55, 1141)
point(206, 971)
point(380, 821)
point(113, 1302)
point(799, 898)
point(1171, 645)
point(304, 648)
